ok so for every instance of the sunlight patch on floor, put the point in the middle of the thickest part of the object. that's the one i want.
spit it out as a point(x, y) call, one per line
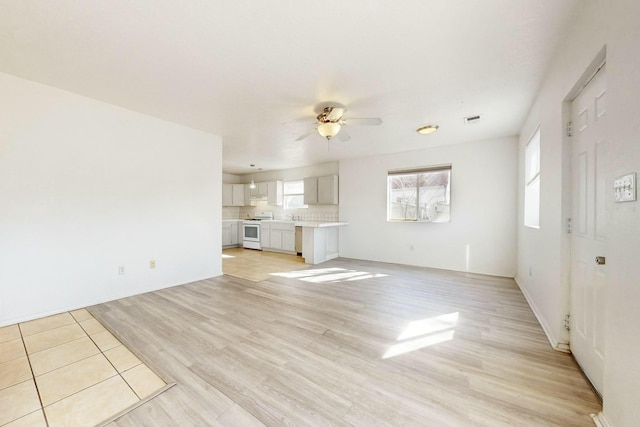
point(417, 344)
point(324, 275)
point(429, 331)
point(429, 326)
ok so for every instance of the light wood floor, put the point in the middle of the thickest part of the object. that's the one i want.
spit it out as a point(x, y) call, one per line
point(256, 265)
point(349, 343)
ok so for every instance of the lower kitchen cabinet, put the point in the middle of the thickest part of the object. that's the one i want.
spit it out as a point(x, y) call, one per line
point(289, 240)
point(226, 234)
point(231, 232)
point(265, 235)
point(278, 236)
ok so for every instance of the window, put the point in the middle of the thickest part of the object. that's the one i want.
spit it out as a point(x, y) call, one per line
point(293, 195)
point(421, 195)
point(532, 181)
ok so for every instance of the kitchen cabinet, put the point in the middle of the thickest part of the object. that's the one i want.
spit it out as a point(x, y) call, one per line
point(226, 234)
point(322, 190)
point(227, 194)
point(231, 233)
point(234, 195)
point(261, 191)
point(328, 190)
point(275, 241)
point(265, 235)
point(274, 193)
point(289, 240)
point(238, 195)
point(234, 232)
point(278, 236)
point(271, 191)
point(310, 191)
point(320, 242)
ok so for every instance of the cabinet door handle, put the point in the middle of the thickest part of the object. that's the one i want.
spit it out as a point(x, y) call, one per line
point(600, 260)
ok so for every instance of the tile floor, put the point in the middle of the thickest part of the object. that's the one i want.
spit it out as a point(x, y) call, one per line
point(258, 265)
point(68, 370)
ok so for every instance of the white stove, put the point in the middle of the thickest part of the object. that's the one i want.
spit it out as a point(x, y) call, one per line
point(251, 230)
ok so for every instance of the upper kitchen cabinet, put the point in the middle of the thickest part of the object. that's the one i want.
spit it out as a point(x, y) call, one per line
point(238, 195)
point(233, 195)
point(310, 191)
point(322, 190)
point(328, 190)
point(274, 193)
point(270, 191)
point(260, 192)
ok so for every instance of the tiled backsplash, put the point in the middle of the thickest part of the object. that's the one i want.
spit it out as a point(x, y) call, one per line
point(312, 213)
point(230, 213)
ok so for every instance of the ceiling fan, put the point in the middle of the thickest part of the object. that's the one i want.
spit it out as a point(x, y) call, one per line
point(330, 122)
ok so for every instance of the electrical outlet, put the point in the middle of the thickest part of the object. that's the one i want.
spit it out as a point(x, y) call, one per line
point(121, 270)
point(152, 264)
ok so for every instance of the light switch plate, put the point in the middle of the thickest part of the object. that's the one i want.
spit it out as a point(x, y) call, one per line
point(624, 188)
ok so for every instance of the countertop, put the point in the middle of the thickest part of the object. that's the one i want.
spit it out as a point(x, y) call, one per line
point(314, 224)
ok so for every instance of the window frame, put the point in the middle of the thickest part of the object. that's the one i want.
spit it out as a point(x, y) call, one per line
point(532, 175)
point(417, 171)
point(285, 194)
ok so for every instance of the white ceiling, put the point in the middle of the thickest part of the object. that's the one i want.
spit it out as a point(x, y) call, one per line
point(242, 68)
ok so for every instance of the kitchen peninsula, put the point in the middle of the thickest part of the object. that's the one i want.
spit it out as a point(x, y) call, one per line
point(319, 239)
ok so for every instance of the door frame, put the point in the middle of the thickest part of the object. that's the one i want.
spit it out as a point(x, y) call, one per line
point(567, 199)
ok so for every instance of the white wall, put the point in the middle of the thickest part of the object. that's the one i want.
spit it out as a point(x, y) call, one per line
point(228, 178)
point(600, 23)
point(481, 235)
point(543, 270)
point(86, 187)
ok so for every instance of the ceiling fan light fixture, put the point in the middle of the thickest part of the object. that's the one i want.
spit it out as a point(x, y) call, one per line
point(329, 129)
point(428, 129)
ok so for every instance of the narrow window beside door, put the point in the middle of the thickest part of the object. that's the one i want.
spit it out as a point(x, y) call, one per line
point(532, 182)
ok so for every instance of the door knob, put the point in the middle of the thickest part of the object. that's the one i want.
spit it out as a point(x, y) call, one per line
point(600, 260)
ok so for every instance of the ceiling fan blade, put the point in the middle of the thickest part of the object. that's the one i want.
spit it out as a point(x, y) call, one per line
point(364, 122)
point(306, 135)
point(335, 114)
point(343, 136)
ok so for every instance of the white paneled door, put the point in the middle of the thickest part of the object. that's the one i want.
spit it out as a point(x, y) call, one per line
point(589, 229)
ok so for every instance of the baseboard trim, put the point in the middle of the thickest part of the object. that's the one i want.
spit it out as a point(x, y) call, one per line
point(557, 345)
point(600, 420)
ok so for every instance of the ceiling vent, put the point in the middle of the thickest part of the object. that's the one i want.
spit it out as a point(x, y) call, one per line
point(470, 120)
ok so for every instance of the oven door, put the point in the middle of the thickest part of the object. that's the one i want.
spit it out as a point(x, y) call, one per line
point(251, 232)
